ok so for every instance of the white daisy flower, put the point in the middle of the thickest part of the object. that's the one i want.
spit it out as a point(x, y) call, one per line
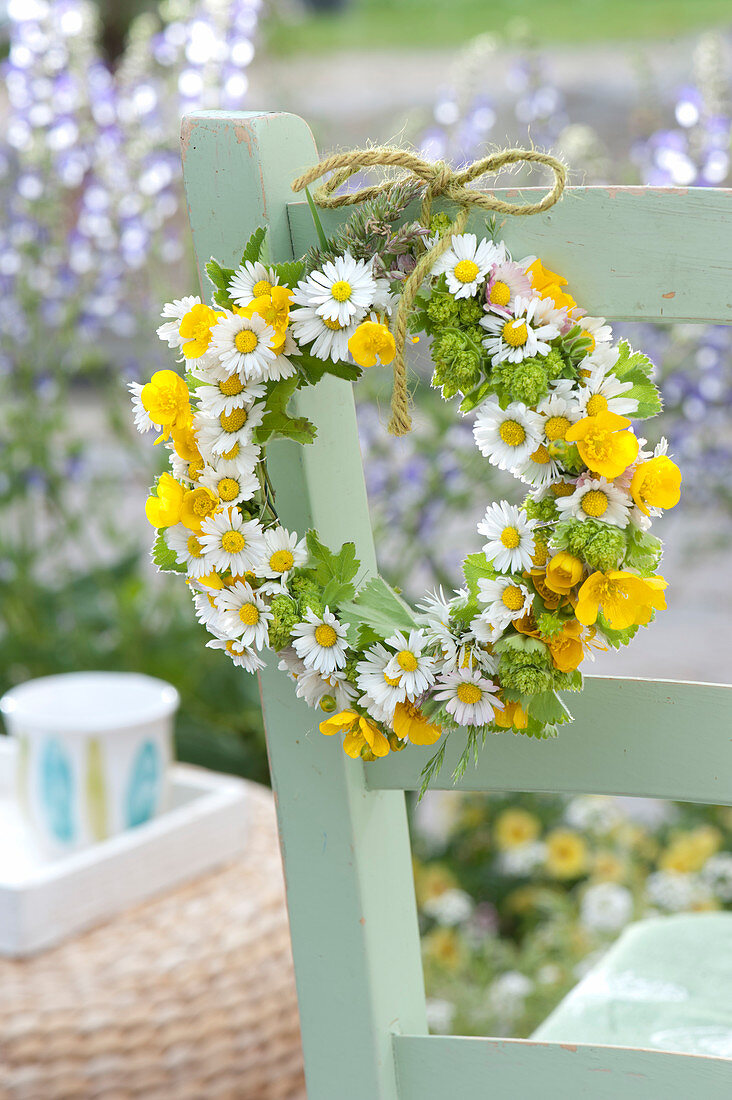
point(143, 423)
point(506, 281)
point(188, 550)
point(173, 313)
point(596, 328)
point(470, 697)
point(485, 636)
point(219, 434)
point(507, 436)
point(243, 345)
point(466, 263)
point(233, 542)
point(560, 411)
point(417, 671)
point(246, 612)
point(384, 301)
point(228, 482)
point(282, 553)
point(252, 280)
point(505, 599)
point(519, 337)
point(315, 689)
point(344, 288)
point(329, 338)
point(603, 392)
point(547, 313)
point(321, 642)
point(227, 394)
point(208, 613)
point(509, 531)
point(601, 360)
point(240, 653)
point(291, 663)
point(245, 456)
point(379, 687)
point(540, 469)
point(597, 498)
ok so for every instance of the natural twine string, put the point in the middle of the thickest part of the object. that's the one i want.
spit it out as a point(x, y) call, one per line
point(438, 180)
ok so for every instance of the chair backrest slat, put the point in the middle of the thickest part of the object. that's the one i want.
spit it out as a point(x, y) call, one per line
point(653, 738)
point(630, 253)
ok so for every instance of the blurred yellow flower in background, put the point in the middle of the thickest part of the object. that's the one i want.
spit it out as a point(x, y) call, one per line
point(515, 827)
point(566, 853)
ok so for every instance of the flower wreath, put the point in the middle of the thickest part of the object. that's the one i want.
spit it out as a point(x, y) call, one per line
point(571, 569)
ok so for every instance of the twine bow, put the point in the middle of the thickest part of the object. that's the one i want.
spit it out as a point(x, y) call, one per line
point(438, 180)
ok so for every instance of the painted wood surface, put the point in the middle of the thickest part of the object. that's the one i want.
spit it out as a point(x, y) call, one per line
point(345, 850)
point(443, 1067)
point(630, 253)
point(657, 738)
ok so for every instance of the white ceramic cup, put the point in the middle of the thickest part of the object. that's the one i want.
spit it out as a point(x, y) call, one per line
point(94, 750)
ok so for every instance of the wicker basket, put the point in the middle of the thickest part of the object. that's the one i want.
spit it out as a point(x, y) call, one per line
point(191, 995)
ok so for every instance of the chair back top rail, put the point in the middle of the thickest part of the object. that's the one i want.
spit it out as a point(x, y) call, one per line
point(435, 1067)
point(651, 738)
point(656, 254)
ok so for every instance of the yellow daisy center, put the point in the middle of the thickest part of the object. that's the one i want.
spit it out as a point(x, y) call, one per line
point(513, 597)
point(245, 341)
point(465, 271)
point(334, 326)
point(281, 561)
point(232, 542)
point(230, 387)
point(591, 338)
point(249, 614)
point(341, 290)
point(541, 455)
point(596, 404)
point(195, 466)
point(469, 693)
point(500, 294)
point(515, 333)
point(562, 489)
point(556, 427)
point(260, 289)
point(595, 503)
point(229, 455)
point(407, 660)
point(194, 547)
point(392, 681)
point(228, 488)
point(325, 635)
point(233, 421)
point(540, 554)
point(231, 650)
point(512, 433)
point(510, 538)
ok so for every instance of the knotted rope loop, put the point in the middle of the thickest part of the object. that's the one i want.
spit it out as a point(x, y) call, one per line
point(439, 181)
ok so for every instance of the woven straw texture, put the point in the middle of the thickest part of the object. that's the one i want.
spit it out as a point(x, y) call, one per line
point(190, 995)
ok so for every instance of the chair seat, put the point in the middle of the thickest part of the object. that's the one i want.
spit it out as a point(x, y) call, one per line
point(666, 985)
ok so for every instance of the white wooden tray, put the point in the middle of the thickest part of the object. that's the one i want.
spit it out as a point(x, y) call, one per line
point(44, 899)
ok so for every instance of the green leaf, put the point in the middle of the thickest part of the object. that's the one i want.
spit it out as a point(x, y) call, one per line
point(378, 606)
point(630, 361)
point(313, 368)
point(648, 398)
point(290, 272)
point(254, 245)
point(341, 567)
point(476, 397)
point(548, 708)
point(164, 558)
point(322, 239)
point(644, 551)
point(279, 425)
point(336, 592)
point(475, 568)
point(219, 276)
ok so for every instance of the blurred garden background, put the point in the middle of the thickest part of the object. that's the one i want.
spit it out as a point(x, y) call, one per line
point(516, 894)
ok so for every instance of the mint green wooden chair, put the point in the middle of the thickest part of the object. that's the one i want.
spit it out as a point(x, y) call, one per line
point(656, 255)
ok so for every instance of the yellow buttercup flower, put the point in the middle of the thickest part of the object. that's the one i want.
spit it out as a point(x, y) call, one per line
point(513, 715)
point(184, 442)
point(656, 484)
point(195, 328)
point(362, 738)
point(198, 504)
point(563, 572)
point(566, 647)
point(515, 828)
point(626, 599)
point(409, 723)
point(690, 851)
point(163, 509)
point(274, 309)
point(432, 881)
point(443, 947)
point(604, 444)
point(566, 854)
point(166, 401)
point(371, 343)
point(548, 284)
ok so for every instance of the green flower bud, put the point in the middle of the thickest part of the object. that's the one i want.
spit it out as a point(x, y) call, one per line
point(328, 704)
point(544, 510)
point(470, 311)
point(442, 309)
point(529, 382)
point(284, 617)
point(606, 549)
